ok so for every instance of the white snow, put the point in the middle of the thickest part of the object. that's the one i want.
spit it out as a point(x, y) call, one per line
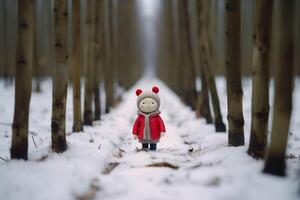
point(208, 169)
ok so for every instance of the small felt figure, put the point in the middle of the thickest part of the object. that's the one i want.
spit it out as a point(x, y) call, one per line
point(149, 126)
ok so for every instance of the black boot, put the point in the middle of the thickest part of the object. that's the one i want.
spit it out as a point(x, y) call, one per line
point(153, 146)
point(145, 145)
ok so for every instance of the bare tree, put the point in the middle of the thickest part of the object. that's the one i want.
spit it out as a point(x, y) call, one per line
point(4, 12)
point(89, 69)
point(189, 74)
point(10, 17)
point(50, 35)
point(121, 9)
point(203, 108)
point(108, 67)
point(260, 73)
point(98, 56)
point(36, 57)
point(206, 48)
point(3, 46)
point(60, 77)
point(275, 161)
point(24, 59)
point(76, 67)
point(233, 73)
point(176, 48)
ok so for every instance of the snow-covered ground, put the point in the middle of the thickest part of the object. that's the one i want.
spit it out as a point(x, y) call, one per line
point(104, 163)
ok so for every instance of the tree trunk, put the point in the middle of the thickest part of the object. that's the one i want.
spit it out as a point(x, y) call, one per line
point(189, 76)
point(114, 55)
point(175, 39)
point(260, 83)
point(2, 39)
point(233, 73)
point(60, 77)
point(97, 100)
point(108, 67)
point(76, 67)
point(6, 44)
point(89, 69)
point(98, 58)
point(36, 53)
point(121, 28)
point(204, 27)
point(11, 35)
point(19, 145)
point(275, 161)
point(51, 39)
point(203, 109)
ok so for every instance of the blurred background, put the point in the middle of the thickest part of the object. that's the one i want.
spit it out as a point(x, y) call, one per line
point(142, 31)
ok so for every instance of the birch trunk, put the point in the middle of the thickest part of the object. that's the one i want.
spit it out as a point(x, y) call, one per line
point(260, 82)
point(60, 77)
point(275, 161)
point(233, 73)
point(24, 61)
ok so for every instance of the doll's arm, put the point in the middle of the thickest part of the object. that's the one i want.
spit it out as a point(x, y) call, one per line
point(161, 125)
point(136, 126)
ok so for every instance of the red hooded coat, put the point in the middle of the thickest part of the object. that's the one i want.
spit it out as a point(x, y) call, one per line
point(156, 125)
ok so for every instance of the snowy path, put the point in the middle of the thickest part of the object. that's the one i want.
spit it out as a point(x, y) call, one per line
point(134, 175)
point(103, 162)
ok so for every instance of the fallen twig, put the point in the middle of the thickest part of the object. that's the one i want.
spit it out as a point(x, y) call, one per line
point(33, 141)
point(119, 153)
point(3, 159)
point(201, 164)
point(163, 164)
point(110, 167)
point(33, 133)
point(91, 139)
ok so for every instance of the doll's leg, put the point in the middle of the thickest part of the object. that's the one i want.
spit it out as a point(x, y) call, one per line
point(145, 145)
point(153, 146)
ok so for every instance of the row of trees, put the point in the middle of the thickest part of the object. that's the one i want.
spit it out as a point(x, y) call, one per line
point(87, 39)
point(192, 27)
point(98, 40)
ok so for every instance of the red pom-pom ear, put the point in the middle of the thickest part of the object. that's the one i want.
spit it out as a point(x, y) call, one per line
point(138, 92)
point(155, 89)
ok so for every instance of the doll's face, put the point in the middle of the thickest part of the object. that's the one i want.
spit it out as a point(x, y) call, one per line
point(148, 105)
